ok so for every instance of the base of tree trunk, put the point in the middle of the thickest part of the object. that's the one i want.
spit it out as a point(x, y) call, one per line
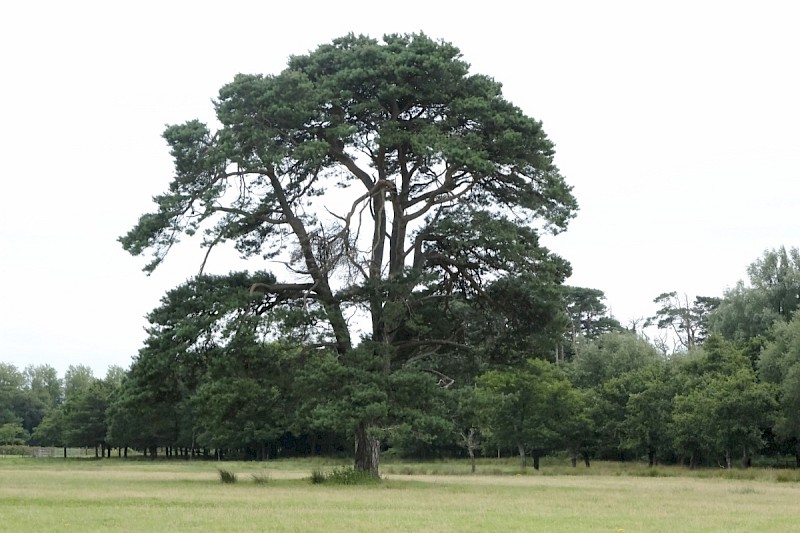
point(367, 451)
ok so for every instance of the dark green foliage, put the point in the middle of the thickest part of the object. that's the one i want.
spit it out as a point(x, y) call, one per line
point(720, 409)
point(588, 316)
point(611, 355)
point(526, 408)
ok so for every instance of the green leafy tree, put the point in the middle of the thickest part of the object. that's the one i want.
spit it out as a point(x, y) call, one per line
point(605, 370)
point(11, 382)
point(387, 177)
point(246, 398)
point(746, 313)
point(648, 411)
point(189, 332)
point(777, 275)
point(526, 408)
point(13, 433)
point(77, 380)
point(612, 354)
point(51, 431)
point(743, 314)
point(723, 408)
point(85, 421)
point(43, 382)
point(780, 365)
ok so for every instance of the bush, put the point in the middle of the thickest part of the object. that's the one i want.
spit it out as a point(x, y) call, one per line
point(15, 449)
point(226, 476)
point(343, 476)
point(318, 476)
point(261, 478)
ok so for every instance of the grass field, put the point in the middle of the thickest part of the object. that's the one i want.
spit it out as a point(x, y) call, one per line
point(114, 495)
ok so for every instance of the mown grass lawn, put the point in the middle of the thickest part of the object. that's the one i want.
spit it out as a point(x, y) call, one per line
point(116, 495)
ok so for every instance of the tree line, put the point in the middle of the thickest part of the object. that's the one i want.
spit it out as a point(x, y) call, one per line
point(206, 383)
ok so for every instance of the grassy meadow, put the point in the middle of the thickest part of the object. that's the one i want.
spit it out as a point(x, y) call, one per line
point(39, 494)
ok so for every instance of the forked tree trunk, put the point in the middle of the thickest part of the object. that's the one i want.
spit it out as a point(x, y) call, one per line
point(367, 452)
point(523, 461)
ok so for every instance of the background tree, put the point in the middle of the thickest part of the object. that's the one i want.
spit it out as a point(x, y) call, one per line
point(648, 410)
point(687, 323)
point(612, 354)
point(777, 275)
point(526, 408)
point(588, 317)
point(188, 334)
point(440, 180)
point(746, 313)
point(779, 365)
point(11, 381)
point(43, 382)
point(721, 408)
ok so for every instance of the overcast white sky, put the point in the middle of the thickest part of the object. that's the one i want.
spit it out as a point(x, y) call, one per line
point(677, 123)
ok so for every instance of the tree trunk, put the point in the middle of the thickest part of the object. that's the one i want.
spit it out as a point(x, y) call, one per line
point(586, 459)
point(523, 461)
point(536, 456)
point(727, 459)
point(65, 452)
point(574, 460)
point(468, 439)
point(651, 458)
point(367, 451)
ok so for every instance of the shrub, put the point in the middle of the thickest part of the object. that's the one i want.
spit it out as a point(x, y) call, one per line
point(318, 476)
point(226, 476)
point(261, 478)
point(15, 449)
point(342, 476)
